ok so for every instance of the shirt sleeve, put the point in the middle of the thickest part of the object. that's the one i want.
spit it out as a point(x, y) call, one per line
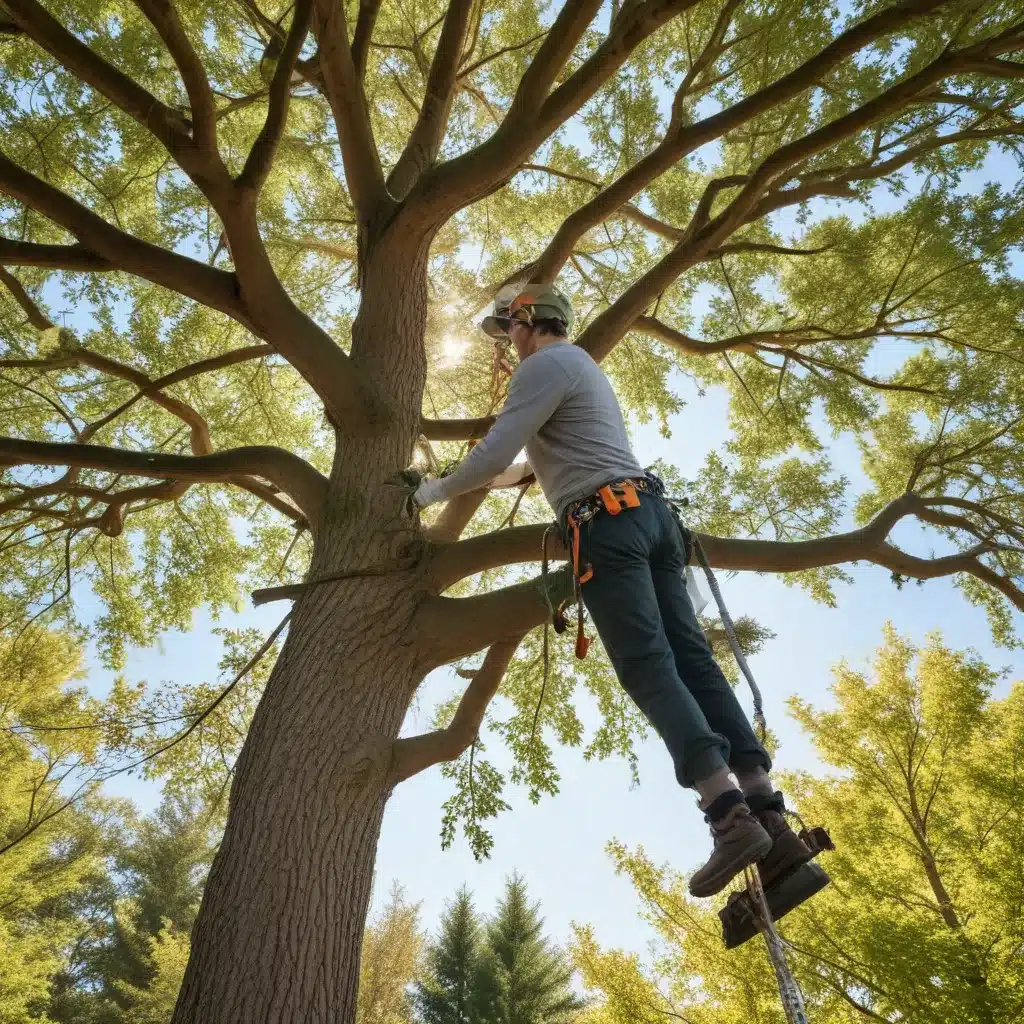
point(535, 392)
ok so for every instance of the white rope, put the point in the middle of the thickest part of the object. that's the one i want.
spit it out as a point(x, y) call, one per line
point(730, 632)
point(789, 990)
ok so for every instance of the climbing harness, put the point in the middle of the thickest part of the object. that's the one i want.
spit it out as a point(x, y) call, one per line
point(611, 498)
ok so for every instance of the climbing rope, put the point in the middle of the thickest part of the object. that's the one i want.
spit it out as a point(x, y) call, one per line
point(789, 991)
point(730, 631)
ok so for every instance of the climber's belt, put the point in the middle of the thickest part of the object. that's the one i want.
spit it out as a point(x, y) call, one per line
point(611, 498)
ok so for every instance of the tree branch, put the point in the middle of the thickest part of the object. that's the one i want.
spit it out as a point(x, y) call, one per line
point(683, 139)
point(455, 430)
point(261, 156)
point(54, 257)
point(452, 562)
point(628, 210)
point(238, 355)
point(200, 96)
point(608, 327)
point(367, 18)
point(428, 133)
point(413, 754)
point(347, 97)
point(169, 127)
point(455, 516)
point(732, 248)
point(454, 628)
point(488, 57)
point(35, 315)
point(265, 309)
point(534, 114)
point(294, 476)
point(205, 284)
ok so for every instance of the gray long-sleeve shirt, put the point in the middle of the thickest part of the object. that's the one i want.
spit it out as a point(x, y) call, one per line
point(563, 411)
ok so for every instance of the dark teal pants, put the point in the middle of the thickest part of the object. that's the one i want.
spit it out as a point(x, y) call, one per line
point(637, 600)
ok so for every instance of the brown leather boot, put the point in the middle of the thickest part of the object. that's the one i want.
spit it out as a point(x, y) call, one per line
point(788, 851)
point(739, 841)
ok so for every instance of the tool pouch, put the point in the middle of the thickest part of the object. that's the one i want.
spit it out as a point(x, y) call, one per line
point(616, 497)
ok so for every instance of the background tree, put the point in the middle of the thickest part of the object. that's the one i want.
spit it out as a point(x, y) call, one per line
point(532, 979)
point(391, 960)
point(458, 983)
point(268, 220)
point(160, 870)
point(923, 921)
point(51, 851)
point(133, 918)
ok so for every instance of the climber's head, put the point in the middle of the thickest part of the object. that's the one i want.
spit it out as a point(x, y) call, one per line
point(529, 318)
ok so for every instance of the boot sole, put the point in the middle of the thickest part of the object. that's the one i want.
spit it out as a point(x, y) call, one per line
point(739, 922)
point(714, 884)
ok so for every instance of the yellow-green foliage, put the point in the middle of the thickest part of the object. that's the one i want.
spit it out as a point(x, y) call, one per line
point(923, 920)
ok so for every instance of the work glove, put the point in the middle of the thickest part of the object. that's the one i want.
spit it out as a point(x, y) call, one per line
point(427, 493)
point(409, 481)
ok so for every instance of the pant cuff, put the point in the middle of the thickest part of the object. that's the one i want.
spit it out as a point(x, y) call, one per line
point(703, 765)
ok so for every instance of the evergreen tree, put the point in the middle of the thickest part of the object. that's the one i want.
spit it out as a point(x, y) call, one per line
point(532, 976)
point(136, 917)
point(458, 984)
point(163, 871)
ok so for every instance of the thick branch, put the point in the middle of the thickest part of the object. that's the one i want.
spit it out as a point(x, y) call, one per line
point(54, 257)
point(199, 431)
point(534, 114)
point(200, 96)
point(412, 754)
point(428, 133)
point(455, 430)
point(605, 331)
point(453, 562)
point(367, 18)
point(347, 97)
point(457, 627)
point(205, 284)
point(294, 476)
point(261, 156)
point(455, 516)
point(684, 139)
point(166, 124)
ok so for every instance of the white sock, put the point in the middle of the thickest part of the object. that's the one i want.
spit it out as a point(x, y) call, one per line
point(755, 781)
point(714, 786)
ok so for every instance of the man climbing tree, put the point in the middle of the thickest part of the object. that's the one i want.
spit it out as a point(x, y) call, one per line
point(237, 236)
point(628, 561)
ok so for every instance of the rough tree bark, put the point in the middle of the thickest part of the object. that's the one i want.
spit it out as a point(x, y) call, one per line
point(280, 928)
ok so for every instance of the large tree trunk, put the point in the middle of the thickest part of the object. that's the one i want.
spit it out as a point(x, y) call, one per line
point(279, 932)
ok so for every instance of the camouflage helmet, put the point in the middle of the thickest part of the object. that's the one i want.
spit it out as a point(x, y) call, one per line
point(527, 303)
